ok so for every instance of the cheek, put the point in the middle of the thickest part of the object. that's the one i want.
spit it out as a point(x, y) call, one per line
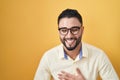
point(61, 37)
point(80, 34)
point(77, 36)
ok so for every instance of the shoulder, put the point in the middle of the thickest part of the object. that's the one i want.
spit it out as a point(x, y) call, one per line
point(96, 54)
point(51, 55)
point(54, 52)
point(92, 50)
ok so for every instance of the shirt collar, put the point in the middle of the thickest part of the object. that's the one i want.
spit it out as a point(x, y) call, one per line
point(80, 55)
point(83, 52)
point(60, 51)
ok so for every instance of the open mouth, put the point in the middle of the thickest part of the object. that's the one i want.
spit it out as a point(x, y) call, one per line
point(70, 42)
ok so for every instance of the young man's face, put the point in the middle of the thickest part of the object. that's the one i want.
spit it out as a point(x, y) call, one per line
point(70, 31)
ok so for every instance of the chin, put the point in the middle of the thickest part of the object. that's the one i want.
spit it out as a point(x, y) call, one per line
point(71, 48)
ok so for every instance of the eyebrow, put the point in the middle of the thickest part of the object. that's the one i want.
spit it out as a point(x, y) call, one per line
point(69, 28)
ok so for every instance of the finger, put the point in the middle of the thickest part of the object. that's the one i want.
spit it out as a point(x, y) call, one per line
point(80, 74)
point(61, 76)
point(78, 71)
point(66, 74)
point(63, 72)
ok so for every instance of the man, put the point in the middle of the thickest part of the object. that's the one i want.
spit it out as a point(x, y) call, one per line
point(73, 59)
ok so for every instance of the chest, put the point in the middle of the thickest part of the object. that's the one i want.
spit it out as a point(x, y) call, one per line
point(89, 68)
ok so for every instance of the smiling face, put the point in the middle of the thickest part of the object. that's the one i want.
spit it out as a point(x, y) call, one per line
point(70, 40)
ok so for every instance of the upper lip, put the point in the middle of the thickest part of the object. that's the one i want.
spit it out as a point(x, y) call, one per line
point(70, 39)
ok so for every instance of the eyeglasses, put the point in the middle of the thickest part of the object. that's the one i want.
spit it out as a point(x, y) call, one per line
point(74, 30)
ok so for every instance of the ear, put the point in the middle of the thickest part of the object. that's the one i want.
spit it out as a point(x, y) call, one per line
point(82, 29)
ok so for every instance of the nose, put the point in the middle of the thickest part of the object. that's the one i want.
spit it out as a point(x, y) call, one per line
point(69, 34)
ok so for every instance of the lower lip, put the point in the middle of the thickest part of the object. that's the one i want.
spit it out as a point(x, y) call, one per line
point(70, 42)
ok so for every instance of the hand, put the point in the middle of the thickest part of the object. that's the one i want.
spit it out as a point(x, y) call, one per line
point(67, 76)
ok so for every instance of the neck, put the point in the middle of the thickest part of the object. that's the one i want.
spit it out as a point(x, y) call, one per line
point(73, 54)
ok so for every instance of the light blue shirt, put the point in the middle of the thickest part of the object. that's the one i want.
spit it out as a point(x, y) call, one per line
point(80, 54)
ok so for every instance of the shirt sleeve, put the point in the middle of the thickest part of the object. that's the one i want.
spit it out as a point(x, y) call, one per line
point(106, 69)
point(43, 72)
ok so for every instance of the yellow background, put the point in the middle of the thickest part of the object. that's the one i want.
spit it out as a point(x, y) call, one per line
point(29, 27)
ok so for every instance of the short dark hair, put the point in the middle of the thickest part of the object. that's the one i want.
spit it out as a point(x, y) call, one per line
point(70, 13)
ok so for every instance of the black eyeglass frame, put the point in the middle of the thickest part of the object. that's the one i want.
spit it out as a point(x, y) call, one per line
point(77, 27)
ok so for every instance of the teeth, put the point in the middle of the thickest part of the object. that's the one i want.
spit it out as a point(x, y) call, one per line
point(70, 41)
